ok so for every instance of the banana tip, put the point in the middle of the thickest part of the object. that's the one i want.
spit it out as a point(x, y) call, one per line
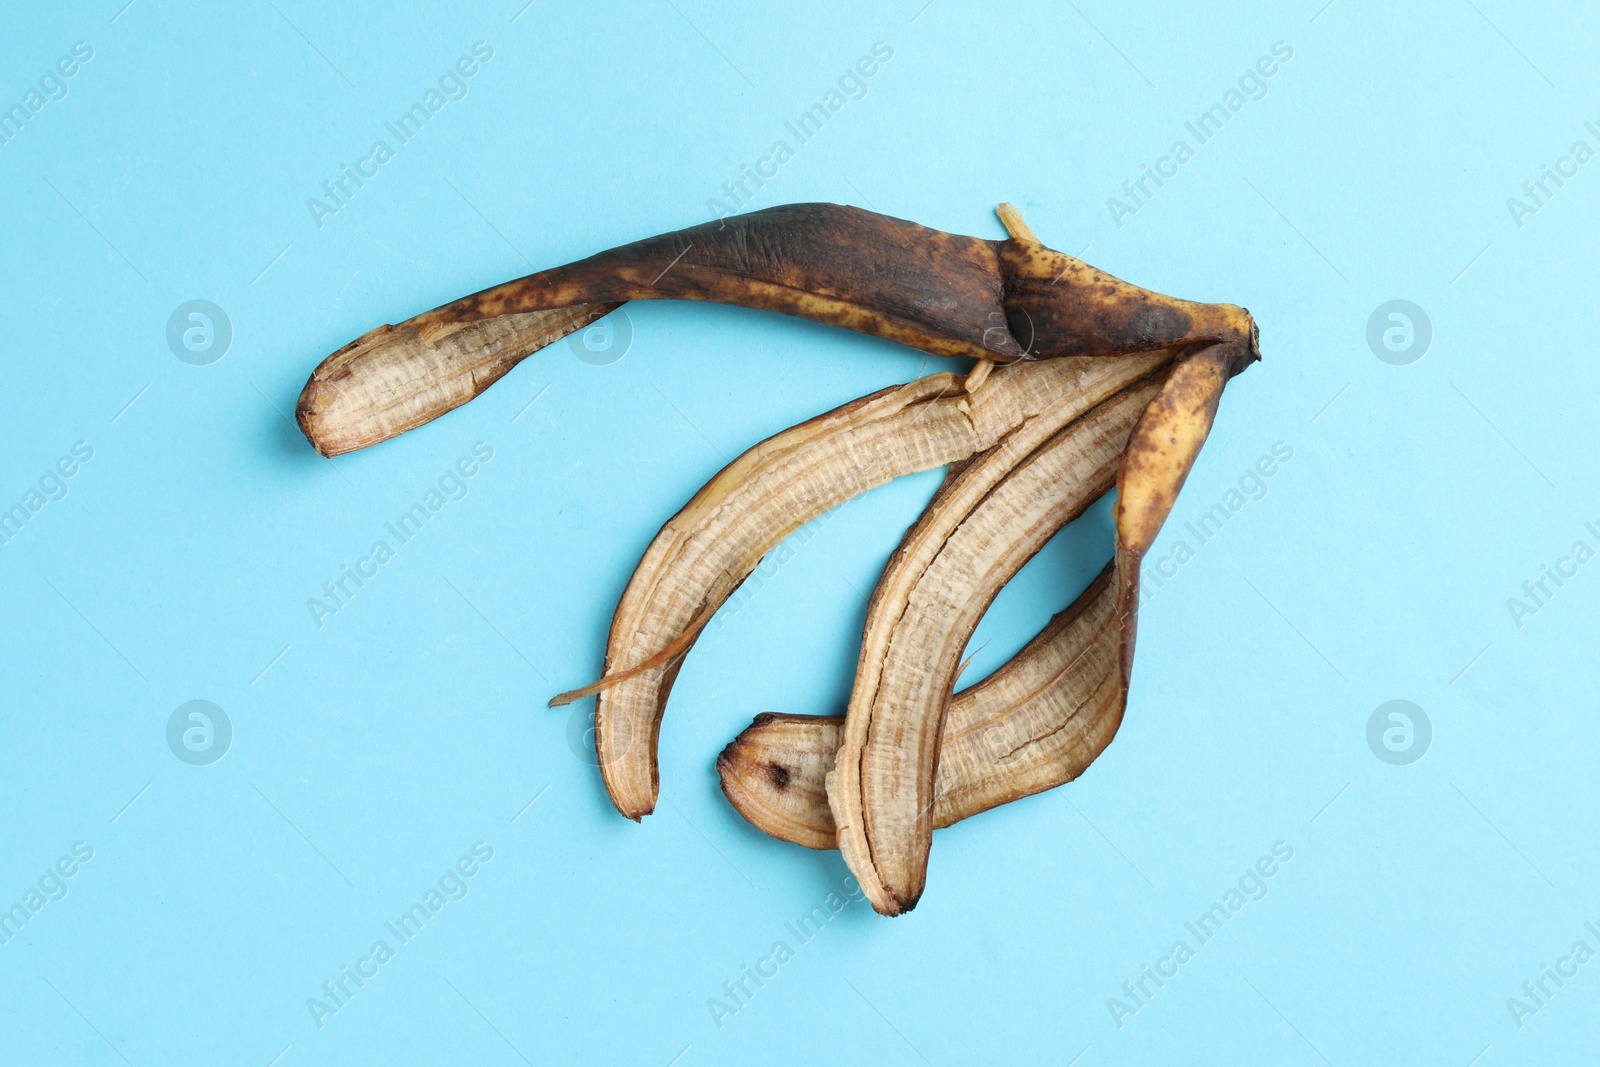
point(305, 416)
point(891, 907)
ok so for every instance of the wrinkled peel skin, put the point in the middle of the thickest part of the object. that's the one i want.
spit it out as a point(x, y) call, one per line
point(702, 554)
point(981, 527)
point(1034, 724)
point(942, 293)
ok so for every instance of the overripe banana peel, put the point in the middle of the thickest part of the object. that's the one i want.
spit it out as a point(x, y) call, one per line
point(981, 527)
point(1036, 723)
point(943, 293)
point(1017, 471)
point(704, 552)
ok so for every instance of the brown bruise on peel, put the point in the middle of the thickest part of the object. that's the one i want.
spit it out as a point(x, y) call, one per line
point(942, 293)
point(1034, 724)
point(1057, 305)
point(774, 776)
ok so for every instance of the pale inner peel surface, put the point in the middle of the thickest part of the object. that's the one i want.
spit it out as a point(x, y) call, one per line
point(396, 378)
point(1034, 724)
point(923, 612)
point(703, 553)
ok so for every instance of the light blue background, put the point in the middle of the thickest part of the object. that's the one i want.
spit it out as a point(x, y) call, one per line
point(370, 753)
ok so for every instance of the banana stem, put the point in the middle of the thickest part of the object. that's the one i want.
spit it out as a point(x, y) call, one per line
point(1011, 219)
point(978, 375)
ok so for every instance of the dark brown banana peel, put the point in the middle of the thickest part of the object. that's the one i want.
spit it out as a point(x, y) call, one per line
point(943, 293)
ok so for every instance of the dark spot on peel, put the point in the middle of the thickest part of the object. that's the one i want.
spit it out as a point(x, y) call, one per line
point(1159, 323)
point(778, 775)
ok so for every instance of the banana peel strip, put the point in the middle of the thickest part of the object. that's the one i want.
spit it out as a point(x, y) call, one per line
point(945, 294)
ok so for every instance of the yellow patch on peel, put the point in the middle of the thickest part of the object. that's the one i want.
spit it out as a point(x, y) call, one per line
point(1163, 448)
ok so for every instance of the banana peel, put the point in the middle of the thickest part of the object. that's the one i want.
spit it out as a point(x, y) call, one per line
point(976, 533)
point(946, 294)
point(1036, 723)
point(704, 552)
point(1001, 302)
